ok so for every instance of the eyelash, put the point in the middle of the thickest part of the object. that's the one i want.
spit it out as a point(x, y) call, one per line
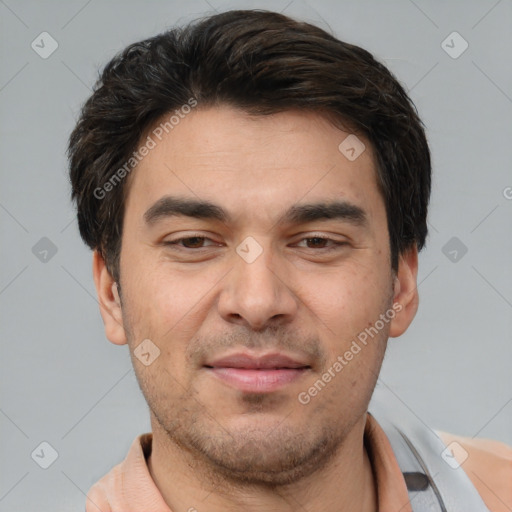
point(178, 240)
point(176, 243)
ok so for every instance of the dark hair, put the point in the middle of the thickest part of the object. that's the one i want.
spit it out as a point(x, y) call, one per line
point(261, 62)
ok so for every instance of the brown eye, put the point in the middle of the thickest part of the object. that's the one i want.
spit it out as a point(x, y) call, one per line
point(321, 243)
point(316, 242)
point(193, 242)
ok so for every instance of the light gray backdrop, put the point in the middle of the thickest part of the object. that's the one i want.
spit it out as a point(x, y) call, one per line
point(64, 384)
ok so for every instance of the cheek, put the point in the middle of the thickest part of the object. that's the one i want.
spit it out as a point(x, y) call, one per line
point(166, 309)
point(346, 299)
point(167, 305)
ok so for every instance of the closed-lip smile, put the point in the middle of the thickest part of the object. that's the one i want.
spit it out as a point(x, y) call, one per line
point(257, 373)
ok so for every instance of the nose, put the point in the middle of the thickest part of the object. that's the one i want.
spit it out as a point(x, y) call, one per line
point(256, 294)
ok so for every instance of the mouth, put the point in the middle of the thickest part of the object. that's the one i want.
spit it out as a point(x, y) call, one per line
point(257, 374)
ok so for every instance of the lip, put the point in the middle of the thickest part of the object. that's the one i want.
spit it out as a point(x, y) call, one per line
point(258, 373)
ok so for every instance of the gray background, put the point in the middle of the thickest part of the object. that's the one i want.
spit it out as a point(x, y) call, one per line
point(62, 382)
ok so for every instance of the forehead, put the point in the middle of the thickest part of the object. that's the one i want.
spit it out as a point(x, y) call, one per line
point(256, 166)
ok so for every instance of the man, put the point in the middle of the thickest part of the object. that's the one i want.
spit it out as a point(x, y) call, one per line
point(255, 192)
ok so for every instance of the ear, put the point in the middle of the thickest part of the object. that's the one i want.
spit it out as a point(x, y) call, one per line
point(406, 297)
point(109, 300)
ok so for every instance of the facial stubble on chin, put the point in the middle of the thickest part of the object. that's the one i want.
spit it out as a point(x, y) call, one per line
point(254, 456)
point(235, 457)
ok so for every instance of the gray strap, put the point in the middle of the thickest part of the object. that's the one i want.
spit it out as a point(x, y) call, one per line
point(423, 493)
point(433, 485)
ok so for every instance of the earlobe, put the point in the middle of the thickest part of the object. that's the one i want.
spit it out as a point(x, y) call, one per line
point(109, 301)
point(406, 297)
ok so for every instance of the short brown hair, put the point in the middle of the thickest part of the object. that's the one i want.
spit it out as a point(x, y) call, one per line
point(261, 62)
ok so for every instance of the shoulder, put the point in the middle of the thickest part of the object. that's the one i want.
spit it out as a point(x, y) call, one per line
point(110, 491)
point(488, 465)
point(100, 494)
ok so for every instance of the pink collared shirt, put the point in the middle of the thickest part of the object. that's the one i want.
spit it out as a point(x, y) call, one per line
point(128, 487)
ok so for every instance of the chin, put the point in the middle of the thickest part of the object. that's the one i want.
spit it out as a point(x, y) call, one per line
point(265, 452)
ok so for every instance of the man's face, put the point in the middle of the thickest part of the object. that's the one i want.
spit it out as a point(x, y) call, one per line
point(252, 301)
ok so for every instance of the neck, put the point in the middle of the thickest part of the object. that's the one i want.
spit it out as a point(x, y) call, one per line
point(185, 482)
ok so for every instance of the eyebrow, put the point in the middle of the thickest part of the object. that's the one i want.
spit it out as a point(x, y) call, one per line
point(169, 206)
point(339, 210)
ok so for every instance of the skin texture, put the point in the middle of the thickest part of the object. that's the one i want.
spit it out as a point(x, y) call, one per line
point(301, 296)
